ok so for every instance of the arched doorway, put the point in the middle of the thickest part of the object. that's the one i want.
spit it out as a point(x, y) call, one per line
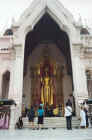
point(47, 64)
point(5, 84)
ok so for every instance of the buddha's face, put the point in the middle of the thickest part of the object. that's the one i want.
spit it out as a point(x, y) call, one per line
point(46, 73)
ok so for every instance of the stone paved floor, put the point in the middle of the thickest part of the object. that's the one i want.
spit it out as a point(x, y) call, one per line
point(49, 134)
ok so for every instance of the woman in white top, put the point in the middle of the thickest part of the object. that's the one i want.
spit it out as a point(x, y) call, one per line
point(82, 118)
point(68, 115)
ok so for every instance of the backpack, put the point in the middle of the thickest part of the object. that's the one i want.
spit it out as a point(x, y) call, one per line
point(31, 113)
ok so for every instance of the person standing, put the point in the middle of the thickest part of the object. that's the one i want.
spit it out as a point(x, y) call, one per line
point(40, 112)
point(68, 115)
point(82, 118)
point(86, 113)
point(31, 116)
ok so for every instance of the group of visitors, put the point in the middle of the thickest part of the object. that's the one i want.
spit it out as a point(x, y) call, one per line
point(4, 120)
point(40, 114)
point(50, 112)
point(40, 111)
point(47, 111)
point(31, 116)
point(83, 115)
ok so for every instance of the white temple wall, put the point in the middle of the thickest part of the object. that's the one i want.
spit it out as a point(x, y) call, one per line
point(16, 80)
point(79, 78)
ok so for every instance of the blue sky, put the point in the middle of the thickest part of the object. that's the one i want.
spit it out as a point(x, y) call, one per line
point(14, 8)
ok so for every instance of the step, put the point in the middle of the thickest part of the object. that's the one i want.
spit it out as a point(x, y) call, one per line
point(52, 122)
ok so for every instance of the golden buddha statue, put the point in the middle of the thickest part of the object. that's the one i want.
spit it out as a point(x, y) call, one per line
point(46, 90)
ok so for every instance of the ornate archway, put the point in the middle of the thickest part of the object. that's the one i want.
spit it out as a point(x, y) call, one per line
point(45, 33)
point(27, 27)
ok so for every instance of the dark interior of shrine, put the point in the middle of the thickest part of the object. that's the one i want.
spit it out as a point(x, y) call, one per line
point(47, 31)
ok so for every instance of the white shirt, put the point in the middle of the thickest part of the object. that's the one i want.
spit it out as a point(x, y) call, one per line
point(68, 111)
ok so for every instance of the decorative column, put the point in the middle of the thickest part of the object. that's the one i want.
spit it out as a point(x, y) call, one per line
point(16, 80)
point(79, 78)
point(18, 76)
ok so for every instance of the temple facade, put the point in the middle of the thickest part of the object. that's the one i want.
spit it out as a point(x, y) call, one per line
point(46, 57)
